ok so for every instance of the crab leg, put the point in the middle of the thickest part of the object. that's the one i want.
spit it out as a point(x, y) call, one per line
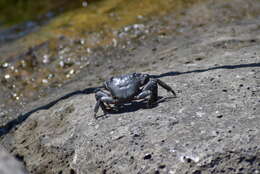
point(103, 100)
point(97, 107)
point(143, 94)
point(100, 96)
point(165, 86)
point(150, 90)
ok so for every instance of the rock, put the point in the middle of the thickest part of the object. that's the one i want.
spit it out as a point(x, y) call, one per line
point(211, 127)
point(9, 165)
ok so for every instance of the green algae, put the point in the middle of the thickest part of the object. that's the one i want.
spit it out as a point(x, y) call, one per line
point(103, 16)
point(17, 11)
point(110, 14)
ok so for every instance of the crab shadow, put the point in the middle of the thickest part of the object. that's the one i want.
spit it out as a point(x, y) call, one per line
point(176, 73)
point(22, 117)
point(134, 106)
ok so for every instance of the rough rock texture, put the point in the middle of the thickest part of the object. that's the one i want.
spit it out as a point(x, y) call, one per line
point(212, 127)
point(9, 165)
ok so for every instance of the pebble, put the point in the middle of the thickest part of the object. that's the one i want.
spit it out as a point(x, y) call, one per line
point(72, 71)
point(7, 76)
point(44, 81)
point(61, 63)
point(84, 4)
point(50, 76)
point(89, 50)
point(5, 65)
point(46, 59)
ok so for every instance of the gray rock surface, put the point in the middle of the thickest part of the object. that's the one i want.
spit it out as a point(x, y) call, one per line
point(212, 127)
point(9, 165)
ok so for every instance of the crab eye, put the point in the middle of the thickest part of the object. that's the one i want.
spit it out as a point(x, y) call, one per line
point(145, 78)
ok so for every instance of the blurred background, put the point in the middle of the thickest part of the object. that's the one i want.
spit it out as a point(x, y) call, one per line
point(17, 11)
point(32, 56)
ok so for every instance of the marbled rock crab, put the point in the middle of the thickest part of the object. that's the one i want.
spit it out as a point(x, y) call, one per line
point(126, 88)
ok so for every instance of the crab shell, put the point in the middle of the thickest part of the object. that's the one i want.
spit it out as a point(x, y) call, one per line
point(126, 86)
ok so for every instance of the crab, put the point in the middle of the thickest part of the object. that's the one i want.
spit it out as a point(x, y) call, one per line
point(127, 88)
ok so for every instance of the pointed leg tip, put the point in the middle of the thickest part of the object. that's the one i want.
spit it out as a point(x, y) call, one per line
point(174, 94)
point(95, 116)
